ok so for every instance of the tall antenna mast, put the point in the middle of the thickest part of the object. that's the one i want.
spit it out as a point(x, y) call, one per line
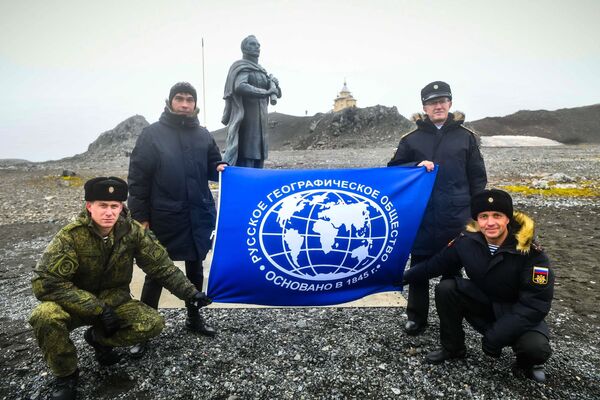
point(203, 86)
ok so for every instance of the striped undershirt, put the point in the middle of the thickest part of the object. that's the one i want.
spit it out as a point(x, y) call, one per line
point(493, 248)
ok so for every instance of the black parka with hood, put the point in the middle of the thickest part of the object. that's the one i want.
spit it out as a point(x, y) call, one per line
point(170, 166)
point(519, 296)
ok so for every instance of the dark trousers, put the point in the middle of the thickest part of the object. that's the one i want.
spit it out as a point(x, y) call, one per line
point(417, 307)
point(531, 348)
point(152, 289)
point(249, 163)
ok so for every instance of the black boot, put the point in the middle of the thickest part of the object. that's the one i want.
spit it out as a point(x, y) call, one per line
point(137, 350)
point(441, 355)
point(195, 322)
point(413, 328)
point(65, 388)
point(105, 355)
point(533, 372)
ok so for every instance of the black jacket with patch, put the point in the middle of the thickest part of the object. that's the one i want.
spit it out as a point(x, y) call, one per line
point(461, 174)
point(507, 280)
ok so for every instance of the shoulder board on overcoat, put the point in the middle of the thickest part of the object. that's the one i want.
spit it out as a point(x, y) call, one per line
point(460, 235)
point(408, 133)
point(471, 131)
point(414, 118)
point(537, 247)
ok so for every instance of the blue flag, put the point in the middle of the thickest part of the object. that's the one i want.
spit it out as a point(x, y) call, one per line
point(314, 237)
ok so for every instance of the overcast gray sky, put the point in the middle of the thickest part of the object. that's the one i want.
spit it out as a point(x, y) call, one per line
point(70, 70)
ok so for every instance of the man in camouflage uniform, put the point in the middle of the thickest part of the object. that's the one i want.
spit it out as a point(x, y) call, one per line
point(83, 279)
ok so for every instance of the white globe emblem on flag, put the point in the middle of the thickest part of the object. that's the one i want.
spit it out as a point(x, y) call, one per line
point(323, 234)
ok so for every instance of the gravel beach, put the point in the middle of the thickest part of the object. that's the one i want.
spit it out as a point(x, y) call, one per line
point(317, 353)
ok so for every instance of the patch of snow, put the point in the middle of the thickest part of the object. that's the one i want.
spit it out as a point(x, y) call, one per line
point(517, 141)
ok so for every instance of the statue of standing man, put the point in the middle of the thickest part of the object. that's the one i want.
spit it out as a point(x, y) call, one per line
point(248, 90)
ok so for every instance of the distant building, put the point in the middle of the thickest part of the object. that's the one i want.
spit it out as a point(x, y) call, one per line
point(344, 99)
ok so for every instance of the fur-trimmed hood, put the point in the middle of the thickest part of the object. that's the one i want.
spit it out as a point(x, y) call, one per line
point(457, 116)
point(521, 226)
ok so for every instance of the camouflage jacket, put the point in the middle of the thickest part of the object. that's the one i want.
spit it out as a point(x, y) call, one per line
point(82, 272)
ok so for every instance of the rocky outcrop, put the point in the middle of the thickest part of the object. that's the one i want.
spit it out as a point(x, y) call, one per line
point(112, 148)
point(118, 141)
point(377, 126)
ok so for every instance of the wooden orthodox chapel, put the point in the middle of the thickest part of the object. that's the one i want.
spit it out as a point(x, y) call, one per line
point(344, 99)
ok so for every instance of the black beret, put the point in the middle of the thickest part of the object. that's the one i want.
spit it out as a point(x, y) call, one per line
point(183, 87)
point(434, 90)
point(106, 189)
point(492, 200)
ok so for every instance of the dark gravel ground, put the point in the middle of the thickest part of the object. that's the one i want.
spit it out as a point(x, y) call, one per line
point(316, 353)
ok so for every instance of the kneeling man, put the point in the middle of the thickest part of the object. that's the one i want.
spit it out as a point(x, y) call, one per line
point(508, 291)
point(83, 279)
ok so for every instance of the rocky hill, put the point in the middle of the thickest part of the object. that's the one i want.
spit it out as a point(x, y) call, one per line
point(567, 125)
point(370, 127)
point(381, 126)
point(357, 128)
point(117, 142)
point(111, 149)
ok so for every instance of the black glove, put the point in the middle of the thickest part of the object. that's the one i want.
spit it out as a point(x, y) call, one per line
point(489, 349)
point(110, 321)
point(199, 300)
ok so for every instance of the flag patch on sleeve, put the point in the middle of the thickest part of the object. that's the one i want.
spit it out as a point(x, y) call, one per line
point(540, 275)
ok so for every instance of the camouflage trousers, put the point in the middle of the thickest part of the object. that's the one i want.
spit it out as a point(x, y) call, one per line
point(52, 325)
